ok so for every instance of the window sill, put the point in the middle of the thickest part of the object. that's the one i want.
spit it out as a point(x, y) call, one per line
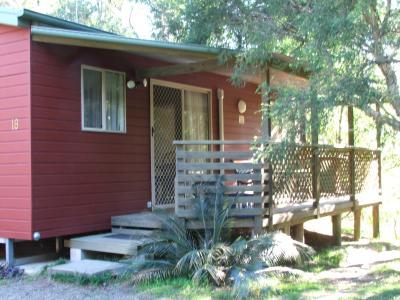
point(102, 131)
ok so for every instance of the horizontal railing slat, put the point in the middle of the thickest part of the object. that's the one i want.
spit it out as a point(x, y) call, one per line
point(217, 166)
point(215, 177)
point(213, 142)
point(214, 154)
point(235, 200)
point(242, 212)
point(234, 188)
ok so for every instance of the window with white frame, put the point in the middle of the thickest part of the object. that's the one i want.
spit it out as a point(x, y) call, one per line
point(103, 100)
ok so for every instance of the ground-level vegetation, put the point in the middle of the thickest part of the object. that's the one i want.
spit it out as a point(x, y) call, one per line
point(356, 270)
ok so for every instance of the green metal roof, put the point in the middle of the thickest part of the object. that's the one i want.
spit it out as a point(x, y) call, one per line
point(50, 32)
point(23, 17)
point(45, 28)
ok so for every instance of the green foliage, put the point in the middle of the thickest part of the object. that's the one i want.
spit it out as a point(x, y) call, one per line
point(105, 15)
point(96, 280)
point(350, 48)
point(207, 255)
point(181, 288)
point(325, 260)
point(101, 14)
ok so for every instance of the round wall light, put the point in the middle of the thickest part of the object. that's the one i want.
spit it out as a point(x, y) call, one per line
point(242, 106)
point(131, 84)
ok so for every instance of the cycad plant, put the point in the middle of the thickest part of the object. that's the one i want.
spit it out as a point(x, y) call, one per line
point(207, 255)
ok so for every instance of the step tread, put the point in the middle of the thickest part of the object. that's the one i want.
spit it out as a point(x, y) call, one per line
point(142, 220)
point(115, 243)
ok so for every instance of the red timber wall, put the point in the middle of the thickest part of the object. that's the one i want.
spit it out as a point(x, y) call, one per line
point(81, 179)
point(15, 133)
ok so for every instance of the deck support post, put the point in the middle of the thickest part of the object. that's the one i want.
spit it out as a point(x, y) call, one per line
point(286, 229)
point(258, 226)
point(298, 232)
point(10, 252)
point(59, 245)
point(357, 224)
point(77, 254)
point(375, 221)
point(337, 229)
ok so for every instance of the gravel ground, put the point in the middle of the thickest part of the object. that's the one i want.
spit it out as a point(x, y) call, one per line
point(355, 271)
point(42, 288)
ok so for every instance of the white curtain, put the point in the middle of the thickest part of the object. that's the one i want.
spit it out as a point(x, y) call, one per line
point(196, 118)
point(115, 98)
point(92, 99)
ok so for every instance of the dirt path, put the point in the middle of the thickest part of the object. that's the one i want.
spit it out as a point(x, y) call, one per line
point(43, 288)
point(363, 269)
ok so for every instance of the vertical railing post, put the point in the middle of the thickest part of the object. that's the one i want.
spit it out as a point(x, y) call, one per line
point(316, 178)
point(352, 175)
point(270, 196)
point(177, 173)
point(356, 209)
point(375, 208)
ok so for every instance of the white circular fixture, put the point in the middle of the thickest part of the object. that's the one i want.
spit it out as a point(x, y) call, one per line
point(36, 236)
point(242, 106)
point(130, 84)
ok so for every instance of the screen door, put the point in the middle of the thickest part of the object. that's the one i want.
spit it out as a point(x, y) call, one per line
point(177, 114)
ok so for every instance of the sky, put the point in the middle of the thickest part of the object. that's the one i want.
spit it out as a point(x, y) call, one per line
point(135, 15)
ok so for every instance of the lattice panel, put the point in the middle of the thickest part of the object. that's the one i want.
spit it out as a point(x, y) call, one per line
point(167, 118)
point(292, 177)
point(366, 171)
point(334, 172)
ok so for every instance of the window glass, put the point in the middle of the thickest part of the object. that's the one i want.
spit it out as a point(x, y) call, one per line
point(115, 102)
point(92, 98)
point(196, 122)
point(103, 106)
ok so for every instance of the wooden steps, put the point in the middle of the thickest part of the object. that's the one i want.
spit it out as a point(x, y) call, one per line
point(141, 221)
point(114, 243)
point(129, 233)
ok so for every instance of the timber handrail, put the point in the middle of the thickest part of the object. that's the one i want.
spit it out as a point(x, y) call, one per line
point(296, 175)
point(260, 142)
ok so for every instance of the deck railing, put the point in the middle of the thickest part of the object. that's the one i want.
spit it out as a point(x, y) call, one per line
point(289, 175)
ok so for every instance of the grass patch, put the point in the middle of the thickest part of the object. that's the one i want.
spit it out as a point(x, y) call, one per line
point(294, 289)
point(96, 280)
point(182, 288)
point(387, 287)
point(179, 288)
point(325, 259)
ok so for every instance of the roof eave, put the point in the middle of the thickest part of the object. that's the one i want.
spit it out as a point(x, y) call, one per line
point(107, 41)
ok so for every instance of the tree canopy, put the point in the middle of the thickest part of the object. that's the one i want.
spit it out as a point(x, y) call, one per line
point(102, 14)
point(350, 47)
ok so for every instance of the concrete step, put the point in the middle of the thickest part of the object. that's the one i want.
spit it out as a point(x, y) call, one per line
point(88, 267)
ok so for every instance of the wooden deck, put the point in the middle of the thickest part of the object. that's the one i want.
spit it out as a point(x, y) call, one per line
point(287, 189)
point(294, 184)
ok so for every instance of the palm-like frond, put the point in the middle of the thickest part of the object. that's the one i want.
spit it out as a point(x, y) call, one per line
point(204, 255)
point(278, 248)
point(151, 274)
point(209, 272)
